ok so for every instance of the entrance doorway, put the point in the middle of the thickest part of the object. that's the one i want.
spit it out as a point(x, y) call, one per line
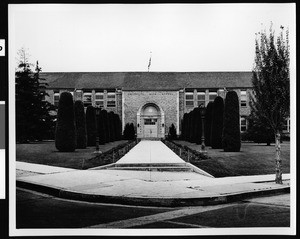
point(150, 122)
point(150, 127)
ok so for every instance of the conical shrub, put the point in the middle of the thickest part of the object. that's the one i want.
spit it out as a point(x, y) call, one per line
point(91, 125)
point(217, 123)
point(207, 123)
point(231, 128)
point(80, 125)
point(101, 128)
point(65, 133)
point(112, 129)
point(198, 126)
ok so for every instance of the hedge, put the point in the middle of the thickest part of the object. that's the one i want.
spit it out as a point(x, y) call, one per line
point(65, 134)
point(231, 126)
point(80, 125)
point(217, 123)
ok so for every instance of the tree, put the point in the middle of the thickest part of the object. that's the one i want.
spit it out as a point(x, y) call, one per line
point(172, 132)
point(192, 126)
point(91, 125)
point(80, 125)
point(258, 130)
point(33, 118)
point(126, 133)
point(118, 126)
point(188, 126)
point(207, 123)
point(106, 127)
point(217, 123)
point(198, 126)
point(183, 127)
point(271, 82)
point(101, 128)
point(65, 134)
point(132, 132)
point(231, 125)
point(112, 129)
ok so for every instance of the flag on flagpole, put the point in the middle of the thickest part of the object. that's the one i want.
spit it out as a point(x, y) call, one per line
point(149, 64)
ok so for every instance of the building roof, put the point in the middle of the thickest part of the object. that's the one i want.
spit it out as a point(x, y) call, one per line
point(147, 80)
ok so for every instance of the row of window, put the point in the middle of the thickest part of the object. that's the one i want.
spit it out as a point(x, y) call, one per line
point(87, 99)
point(243, 124)
point(189, 98)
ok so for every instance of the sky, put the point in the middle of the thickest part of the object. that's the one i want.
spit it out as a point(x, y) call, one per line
point(118, 37)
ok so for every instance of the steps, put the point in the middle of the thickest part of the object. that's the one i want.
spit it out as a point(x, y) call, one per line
point(171, 167)
point(160, 167)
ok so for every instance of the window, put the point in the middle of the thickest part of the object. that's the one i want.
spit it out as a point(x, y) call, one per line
point(243, 124)
point(286, 126)
point(56, 99)
point(212, 96)
point(111, 99)
point(150, 121)
point(87, 99)
point(243, 98)
point(99, 99)
point(189, 99)
point(221, 92)
point(201, 98)
point(77, 95)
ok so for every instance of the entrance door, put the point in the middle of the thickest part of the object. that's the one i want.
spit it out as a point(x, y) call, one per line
point(150, 128)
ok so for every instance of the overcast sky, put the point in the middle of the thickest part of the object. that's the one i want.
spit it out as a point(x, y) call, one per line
point(198, 37)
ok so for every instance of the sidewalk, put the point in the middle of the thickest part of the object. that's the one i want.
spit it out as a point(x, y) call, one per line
point(142, 187)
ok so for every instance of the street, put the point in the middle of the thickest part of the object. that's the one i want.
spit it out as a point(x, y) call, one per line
point(38, 210)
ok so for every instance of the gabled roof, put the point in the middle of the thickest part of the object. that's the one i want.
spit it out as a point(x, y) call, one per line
point(147, 80)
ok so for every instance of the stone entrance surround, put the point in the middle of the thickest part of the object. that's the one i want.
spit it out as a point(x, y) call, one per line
point(166, 103)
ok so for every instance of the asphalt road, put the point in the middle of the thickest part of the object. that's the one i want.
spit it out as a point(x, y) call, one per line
point(38, 210)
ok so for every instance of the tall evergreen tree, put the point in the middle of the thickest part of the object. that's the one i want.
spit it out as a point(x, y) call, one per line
point(112, 129)
point(65, 134)
point(198, 126)
point(192, 132)
point(183, 127)
point(106, 127)
point(207, 123)
point(33, 118)
point(118, 126)
point(258, 130)
point(271, 85)
point(101, 128)
point(80, 125)
point(132, 132)
point(231, 126)
point(172, 132)
point(189, 126)
point(91, 125)
point(217, 123)
point(126, 133)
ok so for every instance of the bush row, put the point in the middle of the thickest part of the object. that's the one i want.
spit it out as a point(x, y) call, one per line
point(184, 152)
point(221, 124)
point(77, 129)
point(111, 155)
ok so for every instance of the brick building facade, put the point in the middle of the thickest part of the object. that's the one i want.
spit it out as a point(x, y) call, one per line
point(152, 101)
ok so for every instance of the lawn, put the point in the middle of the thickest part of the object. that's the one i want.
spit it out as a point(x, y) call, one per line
point(46, 153)
point(253, 159)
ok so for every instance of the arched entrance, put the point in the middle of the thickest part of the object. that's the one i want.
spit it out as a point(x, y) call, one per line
point(150, 119)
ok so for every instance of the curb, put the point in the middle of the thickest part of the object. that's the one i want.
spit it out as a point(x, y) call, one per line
point(169, 202)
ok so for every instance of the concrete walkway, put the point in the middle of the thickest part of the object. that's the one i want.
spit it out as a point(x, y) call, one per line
point(160, 188)
point(150, 152)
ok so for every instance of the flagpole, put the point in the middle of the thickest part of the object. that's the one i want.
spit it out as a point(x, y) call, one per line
point(149, 64)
